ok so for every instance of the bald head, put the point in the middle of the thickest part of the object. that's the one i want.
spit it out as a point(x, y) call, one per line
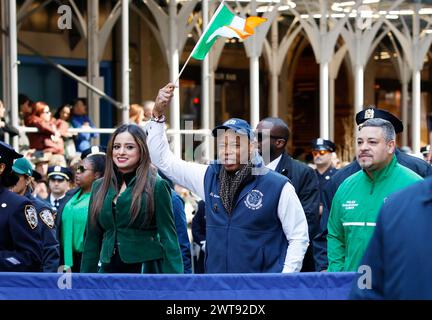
point(277, 126)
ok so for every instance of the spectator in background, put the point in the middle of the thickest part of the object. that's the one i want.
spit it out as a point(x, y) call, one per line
point(5, 127)
point(25, 110)
point(51, 131)
point(148, 110)
point(41, 161)
point(41, 190)
point(64, 114)
point(136, 114)
point(80, 119)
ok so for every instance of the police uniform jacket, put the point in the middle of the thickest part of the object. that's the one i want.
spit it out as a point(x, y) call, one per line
point(20, 234)
point(51, 247)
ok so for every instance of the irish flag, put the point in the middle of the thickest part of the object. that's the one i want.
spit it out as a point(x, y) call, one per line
point(224, 23)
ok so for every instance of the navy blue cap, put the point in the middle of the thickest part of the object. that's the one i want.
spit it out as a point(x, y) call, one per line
point(94, 150)
point(323, 144)
point(372, 112)
point(425, 150)
point(239, 126)
point(59, 173)
point(8, 154)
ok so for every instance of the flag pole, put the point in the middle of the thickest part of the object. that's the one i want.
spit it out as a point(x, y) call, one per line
point(190, 55)
point(182, 69)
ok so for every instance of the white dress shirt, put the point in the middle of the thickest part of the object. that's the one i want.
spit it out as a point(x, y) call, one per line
point(191, 176)
point(273, 165)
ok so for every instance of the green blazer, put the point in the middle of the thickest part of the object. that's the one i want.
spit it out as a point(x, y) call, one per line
point(137, 242)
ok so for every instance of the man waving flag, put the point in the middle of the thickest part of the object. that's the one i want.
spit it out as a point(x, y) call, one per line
point(224, 23)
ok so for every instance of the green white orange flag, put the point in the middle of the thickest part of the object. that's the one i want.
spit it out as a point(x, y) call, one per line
point(224, 23)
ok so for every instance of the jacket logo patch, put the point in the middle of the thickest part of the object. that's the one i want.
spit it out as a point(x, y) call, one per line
point(31, 216)
point(350, 205)
point(47, 218)
point(254, 200)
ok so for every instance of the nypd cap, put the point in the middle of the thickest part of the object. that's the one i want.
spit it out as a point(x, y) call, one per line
point(372, 112)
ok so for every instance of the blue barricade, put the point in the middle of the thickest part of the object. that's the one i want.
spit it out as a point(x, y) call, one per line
point(298, 286)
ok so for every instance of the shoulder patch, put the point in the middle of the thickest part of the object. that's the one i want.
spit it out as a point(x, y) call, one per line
point(31, 216)
point(47, 217)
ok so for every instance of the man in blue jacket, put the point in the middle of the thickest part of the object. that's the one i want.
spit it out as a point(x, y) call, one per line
point(397, 263)
point(255, 222)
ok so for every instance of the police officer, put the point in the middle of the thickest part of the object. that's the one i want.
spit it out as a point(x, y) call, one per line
point(419, 166)
point(425, 152)
point(58, 181)
point(51, 252)
point(20, 234)
point(322, 151)
point(94, 150)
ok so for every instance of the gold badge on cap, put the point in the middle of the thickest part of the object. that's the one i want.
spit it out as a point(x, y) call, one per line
point(31, 216)
point(369, 114)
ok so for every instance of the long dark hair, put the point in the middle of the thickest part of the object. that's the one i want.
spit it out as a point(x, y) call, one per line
point(145, 176)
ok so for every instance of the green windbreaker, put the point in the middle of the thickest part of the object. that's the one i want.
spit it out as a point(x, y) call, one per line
point(354, 211)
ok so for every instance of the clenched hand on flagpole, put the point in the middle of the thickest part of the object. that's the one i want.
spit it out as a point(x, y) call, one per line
point(224, 23)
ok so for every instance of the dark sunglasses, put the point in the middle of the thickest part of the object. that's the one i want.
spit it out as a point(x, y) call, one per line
point(82, 169)
point(260, 137)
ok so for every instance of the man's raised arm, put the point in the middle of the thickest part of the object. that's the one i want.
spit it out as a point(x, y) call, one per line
point(188, 174)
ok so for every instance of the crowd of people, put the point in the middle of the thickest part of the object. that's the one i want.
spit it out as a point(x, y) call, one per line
point(68, 204)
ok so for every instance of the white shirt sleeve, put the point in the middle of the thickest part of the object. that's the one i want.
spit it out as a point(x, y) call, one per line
point(295, 227)
point(187, 174)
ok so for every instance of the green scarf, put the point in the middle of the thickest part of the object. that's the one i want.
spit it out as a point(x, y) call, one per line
point(73, 224)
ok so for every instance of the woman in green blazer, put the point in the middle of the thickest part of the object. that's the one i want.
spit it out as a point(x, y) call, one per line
point(130, 227)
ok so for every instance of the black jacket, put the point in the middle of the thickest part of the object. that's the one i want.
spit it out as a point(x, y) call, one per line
point(419, 166)
point(305, 183)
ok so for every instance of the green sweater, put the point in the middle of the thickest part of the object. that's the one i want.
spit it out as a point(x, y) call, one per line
point(73, 224)
point(137, 242)
point(354, 212)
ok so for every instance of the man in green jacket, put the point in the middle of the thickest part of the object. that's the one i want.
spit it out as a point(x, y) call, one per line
point(359, 198)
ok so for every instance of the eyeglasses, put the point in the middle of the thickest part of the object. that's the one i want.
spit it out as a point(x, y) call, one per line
point(260, 137)
point(82, 169)
point(319, 152)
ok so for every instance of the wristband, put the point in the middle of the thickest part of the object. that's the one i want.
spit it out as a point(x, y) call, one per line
point(160, 119)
